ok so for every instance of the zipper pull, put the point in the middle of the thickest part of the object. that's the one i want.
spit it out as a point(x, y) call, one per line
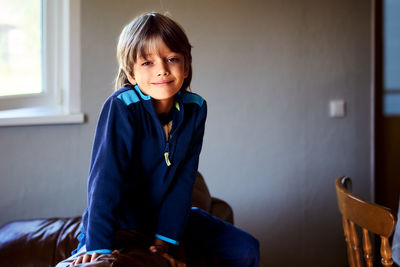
point(166, 155)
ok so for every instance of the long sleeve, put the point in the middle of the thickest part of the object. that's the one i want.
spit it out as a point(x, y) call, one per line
point(110, 163)
point(176, 205)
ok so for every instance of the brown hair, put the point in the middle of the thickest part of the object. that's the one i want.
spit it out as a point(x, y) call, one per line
point(135, 37)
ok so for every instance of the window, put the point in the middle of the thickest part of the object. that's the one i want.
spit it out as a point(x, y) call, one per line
point(39, 62)
point(21, 48)
point(391, 57)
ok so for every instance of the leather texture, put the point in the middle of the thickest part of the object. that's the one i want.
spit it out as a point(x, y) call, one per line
point(46, 242)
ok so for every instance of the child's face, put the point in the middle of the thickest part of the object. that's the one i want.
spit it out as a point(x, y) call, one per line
point(161, 72)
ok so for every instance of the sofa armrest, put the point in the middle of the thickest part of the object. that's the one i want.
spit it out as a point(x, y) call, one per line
point(221, 209)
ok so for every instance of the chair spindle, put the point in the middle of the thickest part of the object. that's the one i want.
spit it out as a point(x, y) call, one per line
point(350, 255)
point(355, 244)
point(386, 252)
point(367, 248)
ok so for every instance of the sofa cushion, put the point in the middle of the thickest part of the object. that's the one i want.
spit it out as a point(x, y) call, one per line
point(49, 241)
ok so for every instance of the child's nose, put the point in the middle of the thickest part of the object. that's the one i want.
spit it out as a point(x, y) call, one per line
point(163, 69)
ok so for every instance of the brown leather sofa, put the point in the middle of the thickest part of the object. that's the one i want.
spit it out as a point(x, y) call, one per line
point(45, 242)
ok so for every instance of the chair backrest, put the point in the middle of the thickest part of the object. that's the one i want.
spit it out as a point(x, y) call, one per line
point(371, 218)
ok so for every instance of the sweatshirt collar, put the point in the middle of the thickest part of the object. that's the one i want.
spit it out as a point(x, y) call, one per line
point(148, 104)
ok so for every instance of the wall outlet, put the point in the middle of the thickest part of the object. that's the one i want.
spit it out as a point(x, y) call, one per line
point(337, 108)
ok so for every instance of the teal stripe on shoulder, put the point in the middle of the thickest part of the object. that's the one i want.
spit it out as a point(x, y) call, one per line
point(143, 96)
point(192, 98)
point(128, 97)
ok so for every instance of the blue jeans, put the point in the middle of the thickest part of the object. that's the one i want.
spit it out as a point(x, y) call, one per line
point(208, 234)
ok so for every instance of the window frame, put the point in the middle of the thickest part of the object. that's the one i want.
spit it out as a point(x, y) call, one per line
point(60, 102)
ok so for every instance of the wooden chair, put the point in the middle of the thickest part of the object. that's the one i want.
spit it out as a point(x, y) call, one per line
point(371, 218)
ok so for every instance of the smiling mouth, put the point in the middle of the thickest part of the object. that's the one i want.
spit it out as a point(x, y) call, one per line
point(162, 82)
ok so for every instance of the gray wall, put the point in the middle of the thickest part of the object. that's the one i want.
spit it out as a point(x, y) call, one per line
point(268, 70)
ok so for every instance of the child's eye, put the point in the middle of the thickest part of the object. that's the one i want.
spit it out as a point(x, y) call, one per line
point(173, 59)
point(146, 63)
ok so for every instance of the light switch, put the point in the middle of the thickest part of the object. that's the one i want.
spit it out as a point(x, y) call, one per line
point(337, 108)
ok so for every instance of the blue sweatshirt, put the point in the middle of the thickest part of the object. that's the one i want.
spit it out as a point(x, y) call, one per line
point(138, 179)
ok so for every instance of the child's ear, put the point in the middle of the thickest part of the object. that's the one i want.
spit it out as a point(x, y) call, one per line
point(186, 71)
point(131, 78)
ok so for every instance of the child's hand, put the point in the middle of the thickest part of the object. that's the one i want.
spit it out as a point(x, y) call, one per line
point(88, 258)
point(161, 247)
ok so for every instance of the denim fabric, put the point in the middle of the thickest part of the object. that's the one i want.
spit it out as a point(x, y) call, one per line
point(207, 234)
